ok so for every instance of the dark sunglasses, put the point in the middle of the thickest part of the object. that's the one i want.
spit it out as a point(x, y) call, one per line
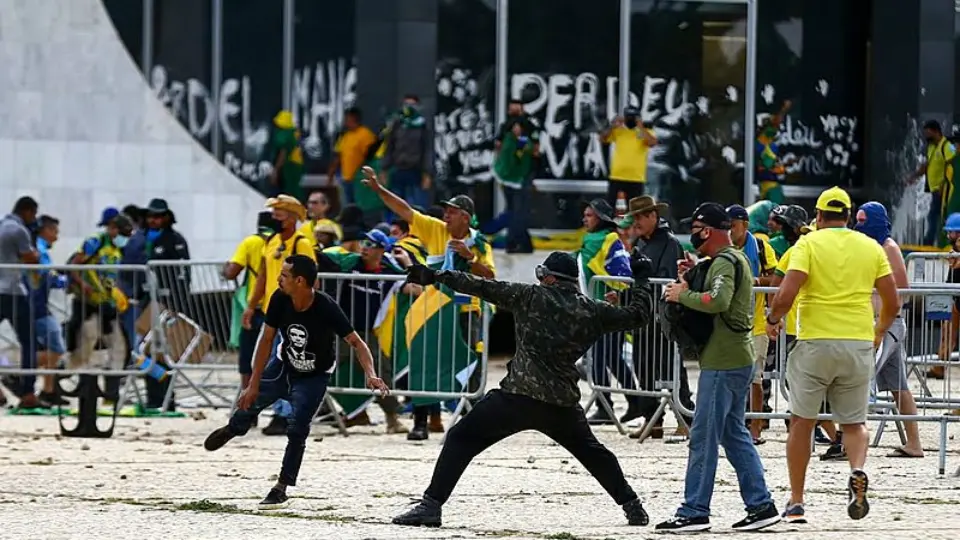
point(370, 244)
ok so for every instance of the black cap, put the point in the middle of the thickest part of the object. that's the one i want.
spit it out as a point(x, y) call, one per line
point(603, 210)
point(793, 216)
point(562, 265)
point(738, 213)
point(460, 202)
point(712, 215)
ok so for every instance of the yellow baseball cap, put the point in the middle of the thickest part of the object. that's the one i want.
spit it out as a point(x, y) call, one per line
point(834, 200)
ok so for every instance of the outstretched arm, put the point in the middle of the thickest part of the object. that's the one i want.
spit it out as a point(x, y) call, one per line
point(501, 293)
point(396, 205)
point(635, 314)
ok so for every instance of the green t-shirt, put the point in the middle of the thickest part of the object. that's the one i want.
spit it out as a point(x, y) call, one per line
point(291, 173)
point(734, 307)
point(779, 244)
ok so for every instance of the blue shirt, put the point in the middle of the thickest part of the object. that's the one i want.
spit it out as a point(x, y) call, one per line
point(135, 252)
point(40, 282)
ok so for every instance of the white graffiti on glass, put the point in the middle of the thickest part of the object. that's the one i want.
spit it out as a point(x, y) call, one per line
point(320, 94)
point(463, 134)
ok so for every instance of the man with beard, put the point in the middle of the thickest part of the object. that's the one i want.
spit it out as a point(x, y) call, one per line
point(285, 243)
point(555, 324)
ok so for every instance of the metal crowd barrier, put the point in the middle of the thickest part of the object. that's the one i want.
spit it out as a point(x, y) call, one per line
point(427, 346)
point(196, 311)
point(79, 319)
point(932, 332)
point(644, 364)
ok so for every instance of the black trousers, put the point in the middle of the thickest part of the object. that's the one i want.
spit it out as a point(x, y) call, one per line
point(630, 189)
point(499, 415)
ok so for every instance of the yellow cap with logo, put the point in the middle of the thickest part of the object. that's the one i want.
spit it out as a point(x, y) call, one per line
point(834, 200)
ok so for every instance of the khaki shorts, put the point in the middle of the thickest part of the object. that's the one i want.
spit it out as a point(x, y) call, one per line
point(760, 345)
point(835, 369)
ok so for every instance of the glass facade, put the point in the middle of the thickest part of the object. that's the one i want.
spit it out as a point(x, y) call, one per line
point(224, 68)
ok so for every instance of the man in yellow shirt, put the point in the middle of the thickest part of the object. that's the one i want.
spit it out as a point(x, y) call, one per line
point(631, 141)
point(317, 208)
point(248, 258)
point(351, 150)
point(832, 274)
point(938, 168)
point(287, 241)
point(451, 244)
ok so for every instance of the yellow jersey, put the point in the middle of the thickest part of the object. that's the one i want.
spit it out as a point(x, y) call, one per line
point(629, 160)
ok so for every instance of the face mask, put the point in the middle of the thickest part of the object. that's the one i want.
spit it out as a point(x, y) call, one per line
point(153, 234)
point(120, 241)
point(697, 241)
point(791, 235)
point(929, 140)
point(630, 123)
point(408, 109)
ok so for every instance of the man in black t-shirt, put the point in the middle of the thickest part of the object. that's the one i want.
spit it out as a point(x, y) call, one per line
point(309, 322)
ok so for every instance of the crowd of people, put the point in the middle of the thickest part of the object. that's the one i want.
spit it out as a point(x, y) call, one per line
point(105, 301)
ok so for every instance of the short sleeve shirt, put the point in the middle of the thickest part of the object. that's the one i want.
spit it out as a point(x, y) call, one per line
point(249, 255)
point(14, 241)
point(275, 251)
point(842, 265)
point(308, 338)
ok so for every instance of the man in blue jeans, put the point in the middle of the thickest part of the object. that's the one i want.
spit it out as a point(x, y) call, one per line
point(721, 295)
point(407, 160)
point(307, 322)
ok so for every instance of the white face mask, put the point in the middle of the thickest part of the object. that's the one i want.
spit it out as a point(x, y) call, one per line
point(120, 241)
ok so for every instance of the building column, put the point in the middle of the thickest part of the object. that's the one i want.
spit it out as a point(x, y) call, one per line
point(396, 48)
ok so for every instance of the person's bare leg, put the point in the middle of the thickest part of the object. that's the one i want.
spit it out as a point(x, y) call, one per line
point(48, 360)
point(856, 439)
point(907, 405)
point(756, 405)
point(798, 455)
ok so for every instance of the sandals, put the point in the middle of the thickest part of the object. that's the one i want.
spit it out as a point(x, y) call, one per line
point(901, 453)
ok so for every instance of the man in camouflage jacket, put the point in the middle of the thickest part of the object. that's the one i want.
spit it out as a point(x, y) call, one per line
point(555, 324)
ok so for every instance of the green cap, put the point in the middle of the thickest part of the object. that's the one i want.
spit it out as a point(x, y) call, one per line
point(625, 222)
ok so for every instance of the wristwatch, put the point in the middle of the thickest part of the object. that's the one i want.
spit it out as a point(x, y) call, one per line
point(772, 323)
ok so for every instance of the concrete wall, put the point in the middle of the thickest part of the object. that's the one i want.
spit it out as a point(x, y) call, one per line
point(80, 130)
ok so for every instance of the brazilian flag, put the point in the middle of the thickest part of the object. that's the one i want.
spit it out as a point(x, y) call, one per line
point(439, 358)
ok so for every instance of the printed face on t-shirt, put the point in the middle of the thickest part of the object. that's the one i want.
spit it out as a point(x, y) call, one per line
point(297, 354)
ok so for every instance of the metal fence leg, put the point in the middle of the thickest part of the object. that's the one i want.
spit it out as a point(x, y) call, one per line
point(463, 407)
point(607, 406)
point(337, 417)
point(654, 418)
point(942, 450)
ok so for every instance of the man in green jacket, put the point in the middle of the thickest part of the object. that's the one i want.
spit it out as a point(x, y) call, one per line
point(726, 373)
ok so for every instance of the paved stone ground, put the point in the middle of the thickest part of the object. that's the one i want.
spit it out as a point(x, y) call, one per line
point(154, 480)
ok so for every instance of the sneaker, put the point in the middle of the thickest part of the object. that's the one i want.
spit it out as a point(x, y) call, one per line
point(635, 513)
point(759, 518)
point(427, 513)
point(418, 433)
point(277, 426)
point(218, 438)
point(274, 500)
point(858, 507)
point(834, 453)
point(678, 524)
point(794, 514)
point(632, 414)
point(600, 418)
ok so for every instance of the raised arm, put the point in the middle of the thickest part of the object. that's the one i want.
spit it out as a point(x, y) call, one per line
point(396, 205)
point(504, 294)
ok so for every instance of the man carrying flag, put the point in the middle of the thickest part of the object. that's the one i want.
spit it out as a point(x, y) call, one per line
point(555, 324)
point(451, 244)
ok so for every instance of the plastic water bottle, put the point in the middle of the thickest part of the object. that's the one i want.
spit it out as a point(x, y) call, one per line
point(152, 368)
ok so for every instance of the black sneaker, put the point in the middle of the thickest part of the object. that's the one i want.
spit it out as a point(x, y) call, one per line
point(635, 513)
point(632, 414)
point(274, 500)
point(277, 426)
point(418, 433)
point(794, 514)
point(759, 518)
point(820, 437)
point(834, 453)
point(678, 524)
point(427, 513)
point(218, 438)
point(858, 507)
point(52, 398)
point(600, 418)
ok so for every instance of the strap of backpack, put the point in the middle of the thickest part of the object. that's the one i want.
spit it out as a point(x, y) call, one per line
point(737, 276)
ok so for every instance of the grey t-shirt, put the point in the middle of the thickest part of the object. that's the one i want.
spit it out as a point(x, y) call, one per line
point(14, 241)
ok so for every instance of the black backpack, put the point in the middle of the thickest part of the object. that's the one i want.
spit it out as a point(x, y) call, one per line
point(691, 329)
